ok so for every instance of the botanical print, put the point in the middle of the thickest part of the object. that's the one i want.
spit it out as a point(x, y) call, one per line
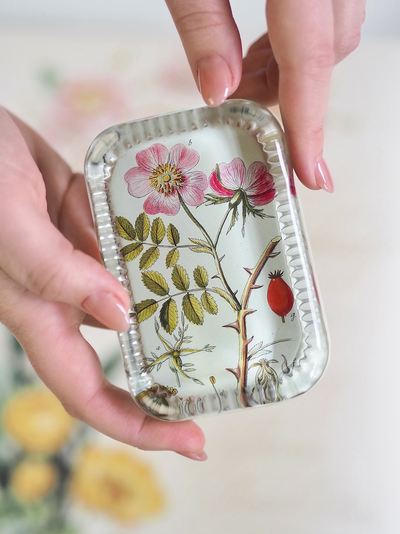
point(179, 296)
point(165, 177)
point(174, 353)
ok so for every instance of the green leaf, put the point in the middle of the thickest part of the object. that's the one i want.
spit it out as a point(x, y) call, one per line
point(192, 309)
point(142, 226)
point(157, 231)
point(200, 243)
point(125, 229)
point(209, 303)
point(180, 278)
point(148, 258)
point(200, 276)
point(173, 235)
point(225, 295)
point(132, 251)
point(156, 283)
point(197, 381)
point(145, 309)
point(169, 316)
point(201, 249)
point(172, 257)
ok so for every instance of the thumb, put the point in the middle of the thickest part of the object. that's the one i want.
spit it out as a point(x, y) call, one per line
point(212, 45)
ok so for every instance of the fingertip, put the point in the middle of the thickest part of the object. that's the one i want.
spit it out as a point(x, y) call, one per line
point(107, 309)
point(323, 176)
point(198, 457)
point(214, 79)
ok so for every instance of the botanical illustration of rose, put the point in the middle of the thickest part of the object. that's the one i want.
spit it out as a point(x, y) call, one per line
point(36, 420)
point(116, 483)
point(249, 188)
point(164, 176)
point(232, 178)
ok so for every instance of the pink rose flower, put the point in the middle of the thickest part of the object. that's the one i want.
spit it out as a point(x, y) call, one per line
point(162, 174)
point(256, 182)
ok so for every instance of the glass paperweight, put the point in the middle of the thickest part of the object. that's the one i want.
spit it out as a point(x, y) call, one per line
point(196, 214)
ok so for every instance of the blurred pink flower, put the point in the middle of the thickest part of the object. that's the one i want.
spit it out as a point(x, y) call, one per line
point(162, 174)
point(83, 101)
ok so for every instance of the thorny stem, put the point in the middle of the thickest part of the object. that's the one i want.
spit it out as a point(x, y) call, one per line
point(242, 368)
point(241, 307)
point(213, 251)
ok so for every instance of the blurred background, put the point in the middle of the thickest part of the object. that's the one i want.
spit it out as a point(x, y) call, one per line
point(325, 462)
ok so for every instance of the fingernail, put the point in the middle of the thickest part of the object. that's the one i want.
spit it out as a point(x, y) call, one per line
point(214, 80)
point(322, 175)
point(200, 457)
point(108, 310)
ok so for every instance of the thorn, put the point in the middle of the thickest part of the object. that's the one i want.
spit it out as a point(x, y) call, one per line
point(255, 287)
point(248, 271)
point(248, 312)
point(274, 254)
point(234, 325)
point(222, 257)
point(247, 342)
point(216, 276)
point(235, 372)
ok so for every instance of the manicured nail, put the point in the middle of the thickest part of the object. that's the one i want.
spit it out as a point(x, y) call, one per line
point(214, 80)
point(323, 176)
point(108, 310)
point(200, 457)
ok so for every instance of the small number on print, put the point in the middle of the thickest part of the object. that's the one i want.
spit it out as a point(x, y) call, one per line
point(190, 142)
point(293, 317)
point(158, 348)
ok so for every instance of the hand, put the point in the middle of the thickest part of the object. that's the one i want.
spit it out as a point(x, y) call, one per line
point(48, 284)
point(292, 64)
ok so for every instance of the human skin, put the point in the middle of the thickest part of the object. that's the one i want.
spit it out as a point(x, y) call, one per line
point(47, 281)
point(291, 64)
point(51, 279)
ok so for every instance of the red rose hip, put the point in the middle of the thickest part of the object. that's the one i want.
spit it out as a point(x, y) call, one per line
point(279, 295)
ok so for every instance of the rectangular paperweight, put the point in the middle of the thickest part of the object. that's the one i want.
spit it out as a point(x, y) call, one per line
point(196, 214)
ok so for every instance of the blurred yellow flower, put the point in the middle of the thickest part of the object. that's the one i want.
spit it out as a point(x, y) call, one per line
point(31, 480)
point(115, 482)
point(36, 420)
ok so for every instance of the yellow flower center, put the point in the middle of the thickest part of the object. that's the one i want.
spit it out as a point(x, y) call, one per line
point(166, 178)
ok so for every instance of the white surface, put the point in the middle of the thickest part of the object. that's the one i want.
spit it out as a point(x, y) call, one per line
point(326, 462)
point(383, 16)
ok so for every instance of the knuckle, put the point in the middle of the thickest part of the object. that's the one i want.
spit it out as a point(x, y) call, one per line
point(320, 57)
point(347, 44)
point(47, 278)
point(194, 21)
point(316, 135)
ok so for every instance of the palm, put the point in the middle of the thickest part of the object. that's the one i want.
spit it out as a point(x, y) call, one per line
point(38, 275)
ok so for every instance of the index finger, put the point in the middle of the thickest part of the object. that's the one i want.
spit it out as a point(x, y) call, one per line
point(302, 39)
point(212, 45)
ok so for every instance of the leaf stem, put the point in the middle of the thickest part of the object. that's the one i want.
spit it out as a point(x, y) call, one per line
point(208, 289)
point(165, 246)
point(213, 250)
point(221, 226)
